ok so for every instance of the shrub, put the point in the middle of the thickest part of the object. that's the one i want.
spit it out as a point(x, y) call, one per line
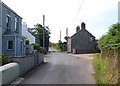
point(27, 41)
point(3, 59)
point(36, 46)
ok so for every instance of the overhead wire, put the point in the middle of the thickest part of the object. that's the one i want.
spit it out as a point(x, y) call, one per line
point(78, 11)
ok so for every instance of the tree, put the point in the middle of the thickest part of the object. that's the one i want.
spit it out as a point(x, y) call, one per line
point(37, 31)
point(66, 38)
point(60, 45)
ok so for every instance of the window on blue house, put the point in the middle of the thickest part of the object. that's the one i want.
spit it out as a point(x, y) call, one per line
point(16, 24)
point(8, 21)
point(10, 45)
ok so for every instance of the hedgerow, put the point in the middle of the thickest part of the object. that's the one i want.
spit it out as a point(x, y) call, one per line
point(108, 59)
point(111, 41)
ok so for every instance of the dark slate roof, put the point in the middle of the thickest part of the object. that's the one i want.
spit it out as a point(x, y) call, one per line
point(82, 30)
point(8, 32)
point(10, 9)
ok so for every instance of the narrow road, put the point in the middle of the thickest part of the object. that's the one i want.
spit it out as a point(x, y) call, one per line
point(62, 68)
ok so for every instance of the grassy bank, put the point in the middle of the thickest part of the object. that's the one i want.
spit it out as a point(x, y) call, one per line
point(106, 70)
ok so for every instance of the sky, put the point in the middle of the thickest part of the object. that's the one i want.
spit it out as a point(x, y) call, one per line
point(98, 15)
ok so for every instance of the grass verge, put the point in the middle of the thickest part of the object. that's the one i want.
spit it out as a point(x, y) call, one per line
point(105, 70)
point(99, 68)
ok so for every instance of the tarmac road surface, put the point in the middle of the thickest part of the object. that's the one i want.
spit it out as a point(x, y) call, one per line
point(62, 68)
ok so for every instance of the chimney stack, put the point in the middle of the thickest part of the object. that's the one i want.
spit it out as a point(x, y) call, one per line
point(77, 28)
point(82, 25)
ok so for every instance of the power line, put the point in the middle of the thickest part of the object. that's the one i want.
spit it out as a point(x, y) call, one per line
point(78, 11)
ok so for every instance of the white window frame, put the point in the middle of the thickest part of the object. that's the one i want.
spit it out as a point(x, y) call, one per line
point(9, 27)
point(16, 24)
point(8, 45)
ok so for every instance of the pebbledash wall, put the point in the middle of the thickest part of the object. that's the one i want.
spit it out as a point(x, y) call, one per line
point(18, 67)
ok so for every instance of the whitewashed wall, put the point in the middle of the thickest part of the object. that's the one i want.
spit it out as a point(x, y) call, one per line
point(27, 34)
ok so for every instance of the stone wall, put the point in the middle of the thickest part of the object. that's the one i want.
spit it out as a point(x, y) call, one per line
point(9, 73)
point(0, 78)
point(28, 62)
point(25, 63)
point(18, 66)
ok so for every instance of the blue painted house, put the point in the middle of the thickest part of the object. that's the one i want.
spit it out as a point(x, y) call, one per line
point(13, 43)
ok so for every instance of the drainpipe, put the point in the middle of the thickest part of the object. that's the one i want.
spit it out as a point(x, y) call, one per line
point(0, 27)
point(24, 47)
point(15, 46)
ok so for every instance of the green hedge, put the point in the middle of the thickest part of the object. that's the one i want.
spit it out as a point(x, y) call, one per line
point(106, 64)
point(111, 40)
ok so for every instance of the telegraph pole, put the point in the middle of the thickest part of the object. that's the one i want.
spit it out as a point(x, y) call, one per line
point(60, 35)
point(44, 32)
point(66, 32)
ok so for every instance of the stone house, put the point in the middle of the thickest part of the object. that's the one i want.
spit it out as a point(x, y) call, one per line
point(12, 43)
point(82, 41)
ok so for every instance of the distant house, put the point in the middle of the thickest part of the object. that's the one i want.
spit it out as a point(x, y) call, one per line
point(12, 42)
point(27, 34)
point(82, 41)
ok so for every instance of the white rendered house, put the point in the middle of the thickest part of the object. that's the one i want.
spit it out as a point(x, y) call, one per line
point(27, 34)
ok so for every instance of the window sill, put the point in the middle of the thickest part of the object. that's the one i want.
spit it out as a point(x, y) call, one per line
point(9, 49)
